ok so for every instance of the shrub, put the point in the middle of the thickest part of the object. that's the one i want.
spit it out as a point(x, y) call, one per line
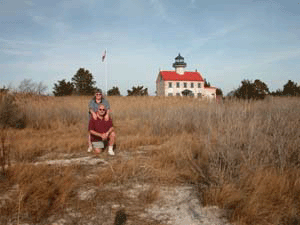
point(63, 88)
point(10, 113)
point(4, 152)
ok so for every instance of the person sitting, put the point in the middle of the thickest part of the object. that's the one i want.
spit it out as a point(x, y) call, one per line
point(93, 107)
point(102, 130)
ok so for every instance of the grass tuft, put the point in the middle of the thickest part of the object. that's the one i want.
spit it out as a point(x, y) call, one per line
point(41, 191)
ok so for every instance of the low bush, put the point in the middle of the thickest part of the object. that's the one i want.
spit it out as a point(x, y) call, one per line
point(10, 113)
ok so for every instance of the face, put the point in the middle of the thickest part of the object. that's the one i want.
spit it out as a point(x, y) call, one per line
point(101, 110)
point(98, 95)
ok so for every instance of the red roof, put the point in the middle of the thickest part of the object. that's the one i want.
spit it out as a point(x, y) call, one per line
point(187, 76)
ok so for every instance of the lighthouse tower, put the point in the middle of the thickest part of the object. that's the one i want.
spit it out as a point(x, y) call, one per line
point(179, 64)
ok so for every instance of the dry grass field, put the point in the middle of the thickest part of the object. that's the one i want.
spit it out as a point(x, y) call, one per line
point(241, 156)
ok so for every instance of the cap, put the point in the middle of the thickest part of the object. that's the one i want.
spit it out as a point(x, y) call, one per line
point(98, 91)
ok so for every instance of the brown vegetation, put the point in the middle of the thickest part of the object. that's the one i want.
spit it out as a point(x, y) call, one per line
point(242, 156)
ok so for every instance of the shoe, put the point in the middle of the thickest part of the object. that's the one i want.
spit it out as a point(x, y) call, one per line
point(90, 149)
point(110, 151)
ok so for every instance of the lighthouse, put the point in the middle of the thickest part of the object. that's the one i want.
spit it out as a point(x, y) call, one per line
point(179, 64)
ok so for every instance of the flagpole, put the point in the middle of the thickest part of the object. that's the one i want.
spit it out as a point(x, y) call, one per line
point(105, 72)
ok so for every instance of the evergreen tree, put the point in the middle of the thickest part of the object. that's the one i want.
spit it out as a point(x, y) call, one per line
point(252, 90)
point(63, 88)
point(291, 89)
point(114, 92)
point(84, 82)
point(4, 90)
point(206, 84)
point(278, 92)
point(138, 91)
point(261, 89)
point(219, 91)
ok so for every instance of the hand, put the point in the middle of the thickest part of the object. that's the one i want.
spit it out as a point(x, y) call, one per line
point(94, 115)
point(106, 117)
point(104, 136)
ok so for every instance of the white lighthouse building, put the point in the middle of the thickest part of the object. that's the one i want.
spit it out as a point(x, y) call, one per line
point(179, 82)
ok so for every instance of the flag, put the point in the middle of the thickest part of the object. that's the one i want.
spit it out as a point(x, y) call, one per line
point(103, 56)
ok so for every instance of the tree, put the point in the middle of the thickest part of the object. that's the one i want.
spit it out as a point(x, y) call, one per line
point(291, 89)
point(252, 90)
point(40, 88)
point(114, 92)
point(138, 91)
point(4, 90)
point(219, 92)
point(29, 87)
point(246, 91)
point(63, 88)
point(84, 82)
point(278, 92)
point(261, 88)
point(187, 92)
point(206, 84)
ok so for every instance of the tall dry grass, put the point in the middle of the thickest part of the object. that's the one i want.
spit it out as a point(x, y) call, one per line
point(35, 192)
point(51, 113)
point(242, 156)
point(246, 157)
point(254, 151)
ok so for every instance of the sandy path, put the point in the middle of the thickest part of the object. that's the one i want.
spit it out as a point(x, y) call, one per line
point(176, 205)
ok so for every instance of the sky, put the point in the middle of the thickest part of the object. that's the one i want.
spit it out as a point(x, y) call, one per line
point(226, 41)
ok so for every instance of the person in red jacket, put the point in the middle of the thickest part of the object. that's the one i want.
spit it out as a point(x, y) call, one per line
point(93, 107)
point(102, 130)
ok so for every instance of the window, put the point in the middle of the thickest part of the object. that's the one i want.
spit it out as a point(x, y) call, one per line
point(199, 85)
point(170, 84)
point(170, 94)
point(185, 85)
point(177, 94)
point(192, 85)
point(199, 95)
point(178, 85)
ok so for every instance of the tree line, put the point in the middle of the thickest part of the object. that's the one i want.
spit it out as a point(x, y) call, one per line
point(82, 83)
point(259, 90)
point(27, 86)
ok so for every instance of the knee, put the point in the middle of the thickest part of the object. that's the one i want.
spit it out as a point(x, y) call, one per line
point(113, 134)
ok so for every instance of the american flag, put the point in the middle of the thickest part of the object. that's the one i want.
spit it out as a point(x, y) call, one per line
point(103, 55)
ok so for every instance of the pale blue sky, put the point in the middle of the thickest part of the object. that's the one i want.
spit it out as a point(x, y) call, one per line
point(227, 41)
